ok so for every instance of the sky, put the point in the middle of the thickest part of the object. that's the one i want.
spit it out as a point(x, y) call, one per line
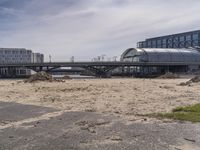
point(89, 28)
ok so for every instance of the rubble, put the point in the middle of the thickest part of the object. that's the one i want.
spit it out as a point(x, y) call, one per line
point(184, 83)
point(40, 76)
point(169, 75)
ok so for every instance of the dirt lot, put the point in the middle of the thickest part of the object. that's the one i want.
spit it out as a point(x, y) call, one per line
point(123, 97)
point(96, 114)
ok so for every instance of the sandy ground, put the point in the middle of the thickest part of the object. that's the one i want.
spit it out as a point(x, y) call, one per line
point(124, 97)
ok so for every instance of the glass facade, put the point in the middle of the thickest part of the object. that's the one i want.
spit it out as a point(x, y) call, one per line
point(181, 40)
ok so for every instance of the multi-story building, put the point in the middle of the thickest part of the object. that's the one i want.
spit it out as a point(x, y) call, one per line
point(180, 40)
point(37, 58)
point(18, 55)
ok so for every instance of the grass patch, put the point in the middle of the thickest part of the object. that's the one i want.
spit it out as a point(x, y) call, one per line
point(188, 113)
point(193, 108)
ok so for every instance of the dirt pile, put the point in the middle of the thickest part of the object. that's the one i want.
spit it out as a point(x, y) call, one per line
point(40, 76)
point(169, 75)
point(195, 79)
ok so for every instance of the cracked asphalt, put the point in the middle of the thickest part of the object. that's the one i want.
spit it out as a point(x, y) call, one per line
point(28, 127)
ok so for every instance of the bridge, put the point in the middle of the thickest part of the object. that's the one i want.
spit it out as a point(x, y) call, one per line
point(98, 68)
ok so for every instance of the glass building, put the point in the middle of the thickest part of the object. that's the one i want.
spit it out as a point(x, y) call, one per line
point(180, 40)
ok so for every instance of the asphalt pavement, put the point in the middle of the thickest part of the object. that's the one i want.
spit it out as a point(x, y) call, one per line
point(23, 128)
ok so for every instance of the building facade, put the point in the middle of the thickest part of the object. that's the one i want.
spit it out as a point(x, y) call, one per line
point(161, 55)
point(181, 40)
point(37, 58)
point(18, 55)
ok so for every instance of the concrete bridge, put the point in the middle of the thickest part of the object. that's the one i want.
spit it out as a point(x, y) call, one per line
point(98, 68)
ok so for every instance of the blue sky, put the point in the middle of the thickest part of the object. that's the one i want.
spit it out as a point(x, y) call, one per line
point(89, 28)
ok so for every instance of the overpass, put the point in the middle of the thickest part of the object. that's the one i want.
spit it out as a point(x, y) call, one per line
point(98, 68)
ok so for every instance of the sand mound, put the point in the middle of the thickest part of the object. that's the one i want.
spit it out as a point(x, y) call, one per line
point(195, 79)
point(169, 75)
point(40, 76)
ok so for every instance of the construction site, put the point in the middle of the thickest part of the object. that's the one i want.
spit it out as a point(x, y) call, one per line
point(115, 108)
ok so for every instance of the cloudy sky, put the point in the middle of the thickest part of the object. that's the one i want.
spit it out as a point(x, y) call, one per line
point(89, 28)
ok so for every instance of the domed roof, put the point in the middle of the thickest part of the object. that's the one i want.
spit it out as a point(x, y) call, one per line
point(161, 55)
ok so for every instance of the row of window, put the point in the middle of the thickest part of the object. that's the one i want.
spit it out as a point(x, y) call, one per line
point(14, 61)
point(175, 43)
point(14, 52)
point(18, 71)
point(164, 41)
point(15, 56)
point(174, 40)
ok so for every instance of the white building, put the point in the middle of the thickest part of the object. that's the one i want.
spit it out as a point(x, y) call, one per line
point(18, 55)
point(37, 58)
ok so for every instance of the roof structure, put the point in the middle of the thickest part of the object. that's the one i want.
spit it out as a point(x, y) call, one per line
point(161, 55)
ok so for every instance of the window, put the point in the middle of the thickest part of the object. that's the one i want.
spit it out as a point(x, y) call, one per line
point(182, 38)
point(188, 44)
point(175, 39)
point(195, 36)
point(195, 43)
point(164, 41)
point(154, 44)
point(159, 43)
point(170, 42)
point(188, 37)
point(149, 44)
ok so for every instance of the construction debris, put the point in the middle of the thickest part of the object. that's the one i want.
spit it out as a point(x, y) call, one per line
point(40, 76)
point(184, 83)
point(169, 75)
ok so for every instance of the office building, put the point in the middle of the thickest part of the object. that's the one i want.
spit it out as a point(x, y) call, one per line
point(180, 40)
point(18, 55)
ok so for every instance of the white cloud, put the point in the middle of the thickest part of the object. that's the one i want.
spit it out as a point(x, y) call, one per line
point(89, 28)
